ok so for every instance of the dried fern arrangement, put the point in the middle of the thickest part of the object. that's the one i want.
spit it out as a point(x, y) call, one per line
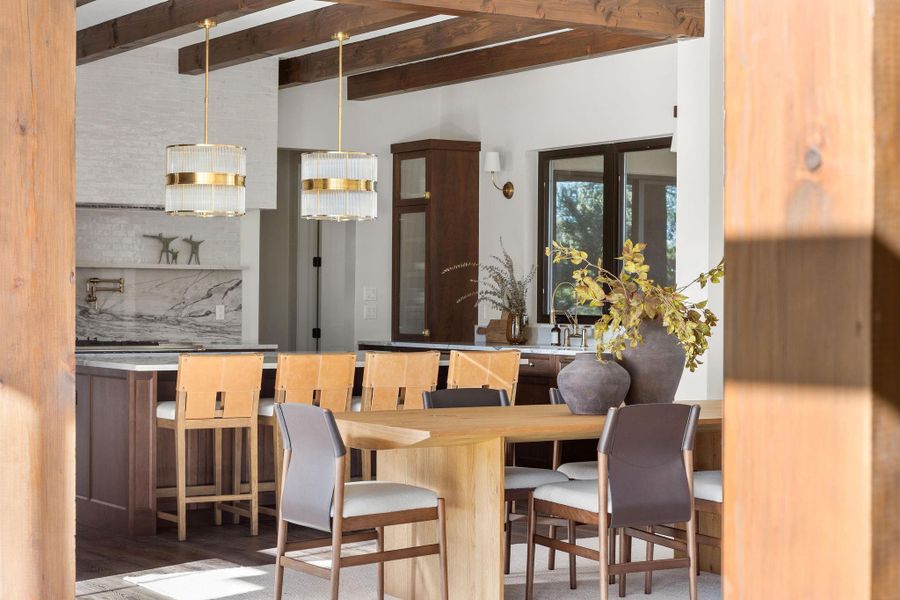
point(499, 287)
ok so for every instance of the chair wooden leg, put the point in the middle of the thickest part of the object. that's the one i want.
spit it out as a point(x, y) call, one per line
point(603, 533)
point(529, 560)
point(573, 576)
point(379, 547)
point(697, 530)
point(181, 482)
point(612, 552)
point(366, 460)
point(648, 575)
point(279, 464)
point(279, 552)
point(551, 557)
point(508, 541)
point(442, 550)
point(217, 452)
point(692, 555)
point(336, 564)
point(236, 460)
point(624, 551)
point(253, 441)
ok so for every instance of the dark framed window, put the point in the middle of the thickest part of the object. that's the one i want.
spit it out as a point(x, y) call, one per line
point(595, 197)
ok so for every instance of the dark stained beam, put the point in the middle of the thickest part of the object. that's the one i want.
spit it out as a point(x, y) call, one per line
point(652, 18)
point(157, 23)
point(543, 51)
point(82, 2)
point(293, 33)
point(420, 43)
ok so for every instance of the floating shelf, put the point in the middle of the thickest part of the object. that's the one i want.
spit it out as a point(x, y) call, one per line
point(163, 267)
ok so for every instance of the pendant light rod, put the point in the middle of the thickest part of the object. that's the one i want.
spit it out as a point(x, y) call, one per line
point(340, 36)
point(206, 24)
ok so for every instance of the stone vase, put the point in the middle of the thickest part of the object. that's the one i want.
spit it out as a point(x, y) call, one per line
point(655, 366)
point(591, 387)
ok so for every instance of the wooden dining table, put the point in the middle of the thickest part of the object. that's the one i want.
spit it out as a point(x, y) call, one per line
point(459, 453)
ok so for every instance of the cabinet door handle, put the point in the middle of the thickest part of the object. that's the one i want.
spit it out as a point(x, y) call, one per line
point(426, 332)
point(427, 195)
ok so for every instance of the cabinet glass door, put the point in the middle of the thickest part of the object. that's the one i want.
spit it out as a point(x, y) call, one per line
point(411, 273)
point(412, 178)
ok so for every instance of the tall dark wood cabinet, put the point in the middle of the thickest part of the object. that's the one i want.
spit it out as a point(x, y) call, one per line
point(435, 220)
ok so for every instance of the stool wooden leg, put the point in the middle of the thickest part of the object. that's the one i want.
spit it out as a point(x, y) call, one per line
point(237, 458)
point(254, 478)
point(366, 465)
point(442, 549)
point(508, 541)
point(380, 548)
point(217, 451)
point(181, 482)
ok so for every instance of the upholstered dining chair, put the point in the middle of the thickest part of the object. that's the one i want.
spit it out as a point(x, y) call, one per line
point(644, 479)
point(315, 495)
point(517, 481)
point(325, 380)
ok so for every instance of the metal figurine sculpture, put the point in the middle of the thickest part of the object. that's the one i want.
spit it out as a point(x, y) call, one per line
point(165, 251)
point(174, 255)
point(195, 248)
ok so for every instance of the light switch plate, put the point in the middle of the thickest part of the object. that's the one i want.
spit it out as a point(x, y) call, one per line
point(220, 312)
point(370, 294)
point(369, 313)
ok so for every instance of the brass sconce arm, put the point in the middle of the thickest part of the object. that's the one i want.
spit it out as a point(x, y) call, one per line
point(508, 188)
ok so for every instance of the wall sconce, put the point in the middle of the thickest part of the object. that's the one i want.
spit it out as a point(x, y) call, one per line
point(492, 165)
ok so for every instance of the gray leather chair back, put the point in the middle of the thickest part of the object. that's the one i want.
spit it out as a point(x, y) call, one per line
point(465, 397)
point(647, 480)
point(315, 443)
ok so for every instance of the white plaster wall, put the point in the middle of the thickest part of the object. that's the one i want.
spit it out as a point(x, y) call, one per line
point(131, 106)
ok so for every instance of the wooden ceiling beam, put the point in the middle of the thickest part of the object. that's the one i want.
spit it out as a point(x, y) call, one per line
point(652, 18)
point(82, 2)
point(293, 33)
point(157, 23)
point(420, 43)
point(542, 51)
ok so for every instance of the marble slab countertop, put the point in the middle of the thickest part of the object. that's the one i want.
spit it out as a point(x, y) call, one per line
point(168, 361)
point(445, 347)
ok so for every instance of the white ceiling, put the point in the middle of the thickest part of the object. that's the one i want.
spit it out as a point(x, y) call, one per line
point(99, 11)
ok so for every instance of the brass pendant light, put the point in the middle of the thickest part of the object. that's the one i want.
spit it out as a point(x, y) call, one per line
point(206, 180)
point(339, 185)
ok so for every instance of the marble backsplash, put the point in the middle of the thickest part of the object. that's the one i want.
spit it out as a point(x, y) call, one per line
point(162, 305)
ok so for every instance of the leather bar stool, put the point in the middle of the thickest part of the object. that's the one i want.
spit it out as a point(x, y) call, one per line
point(214, 392)
point(645, 478)
point(324, 380)
point(493, 369)
point(315, 495)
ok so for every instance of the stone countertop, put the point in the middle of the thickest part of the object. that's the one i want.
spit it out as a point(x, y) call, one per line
point(166, 361)
point(446, 347)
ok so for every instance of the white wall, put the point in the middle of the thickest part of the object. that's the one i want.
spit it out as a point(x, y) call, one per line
point(615, 98)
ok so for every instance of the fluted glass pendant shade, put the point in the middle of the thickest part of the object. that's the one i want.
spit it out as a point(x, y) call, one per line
point(206, 180)
point(338, 185)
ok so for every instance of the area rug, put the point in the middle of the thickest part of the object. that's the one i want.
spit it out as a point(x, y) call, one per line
point(219, 579)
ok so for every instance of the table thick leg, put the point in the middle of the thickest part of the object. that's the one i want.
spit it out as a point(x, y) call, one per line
point(470, 479)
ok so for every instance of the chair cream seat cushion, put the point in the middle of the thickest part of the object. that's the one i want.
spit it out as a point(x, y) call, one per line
point(165, 410)
point(579, 470)
point(580, 493)
point(267, 407)
point(526, 478)
point(374, 497)
point(708, 485)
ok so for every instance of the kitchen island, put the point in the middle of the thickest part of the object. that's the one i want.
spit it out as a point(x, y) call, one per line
point(120, 458)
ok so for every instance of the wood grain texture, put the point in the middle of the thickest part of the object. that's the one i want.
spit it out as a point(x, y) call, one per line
point(37, 299)
point(455, 426)
point(812, 418)
point(293, 33)
point(497, 60)
point(418, 43)
point(157, 23)
point(470, 479)
point(659, 18)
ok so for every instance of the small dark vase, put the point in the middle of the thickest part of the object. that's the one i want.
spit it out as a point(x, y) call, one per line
point(516, 328)
point(655, 366)
point(591, 387)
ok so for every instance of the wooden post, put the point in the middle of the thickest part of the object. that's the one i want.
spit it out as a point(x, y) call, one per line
point(812, 225)
point(37, 299)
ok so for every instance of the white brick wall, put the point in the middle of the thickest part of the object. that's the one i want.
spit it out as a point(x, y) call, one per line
point(131, 106)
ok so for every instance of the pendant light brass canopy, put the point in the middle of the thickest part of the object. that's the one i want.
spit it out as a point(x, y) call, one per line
point(339, 185)
point(206, 180)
